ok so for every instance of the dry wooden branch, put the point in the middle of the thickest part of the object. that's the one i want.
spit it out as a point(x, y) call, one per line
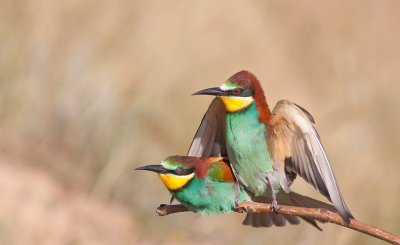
point(320, 214)
point(165, 209)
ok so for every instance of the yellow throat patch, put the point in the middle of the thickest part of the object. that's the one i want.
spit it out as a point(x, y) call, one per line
point(233, 104)
point(175, 182)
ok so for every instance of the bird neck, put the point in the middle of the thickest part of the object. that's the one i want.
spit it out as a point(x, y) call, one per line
point(258, 112)
point(261, 103)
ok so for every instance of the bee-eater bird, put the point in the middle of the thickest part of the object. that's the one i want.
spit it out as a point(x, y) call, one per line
point(266, 150)
point(207, 186)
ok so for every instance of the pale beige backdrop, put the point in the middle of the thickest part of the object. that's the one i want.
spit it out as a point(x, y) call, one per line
point(89, 90)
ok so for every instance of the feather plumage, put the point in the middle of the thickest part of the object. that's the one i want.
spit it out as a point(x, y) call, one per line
point(296, 148)
point(209, 140)
point(291, 146)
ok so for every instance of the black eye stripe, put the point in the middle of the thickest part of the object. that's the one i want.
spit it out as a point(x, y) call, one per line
point(181, 171)
point(247, 92)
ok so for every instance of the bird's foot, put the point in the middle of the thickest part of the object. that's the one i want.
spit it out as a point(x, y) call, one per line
point(237, 197)
point(274, 206)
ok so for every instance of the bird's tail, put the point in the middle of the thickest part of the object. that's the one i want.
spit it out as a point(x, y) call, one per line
point(289, 199)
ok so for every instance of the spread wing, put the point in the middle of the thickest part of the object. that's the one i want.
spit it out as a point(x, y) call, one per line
point(209, 140)
point(296, 149)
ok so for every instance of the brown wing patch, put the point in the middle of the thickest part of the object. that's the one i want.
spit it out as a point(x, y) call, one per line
point(296, 148)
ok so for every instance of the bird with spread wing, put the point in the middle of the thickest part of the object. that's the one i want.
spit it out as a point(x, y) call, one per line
point(266, 150)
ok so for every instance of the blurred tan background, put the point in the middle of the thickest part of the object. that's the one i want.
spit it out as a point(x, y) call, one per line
point(91, 89)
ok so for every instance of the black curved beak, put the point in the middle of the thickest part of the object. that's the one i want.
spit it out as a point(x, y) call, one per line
point(216, 91)
point(154, 168)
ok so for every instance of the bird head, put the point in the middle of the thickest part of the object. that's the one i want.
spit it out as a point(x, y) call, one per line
point(173, 172)
point(177, 171)
point(238, 92)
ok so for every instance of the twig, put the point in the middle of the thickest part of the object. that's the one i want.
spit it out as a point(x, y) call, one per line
point(164, 209)
point(320, 214)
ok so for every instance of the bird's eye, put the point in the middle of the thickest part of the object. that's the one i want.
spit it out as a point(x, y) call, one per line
point(236, 91)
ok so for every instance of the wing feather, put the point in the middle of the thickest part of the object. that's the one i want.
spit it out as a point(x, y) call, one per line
point(209, 140)
point(296, 148)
